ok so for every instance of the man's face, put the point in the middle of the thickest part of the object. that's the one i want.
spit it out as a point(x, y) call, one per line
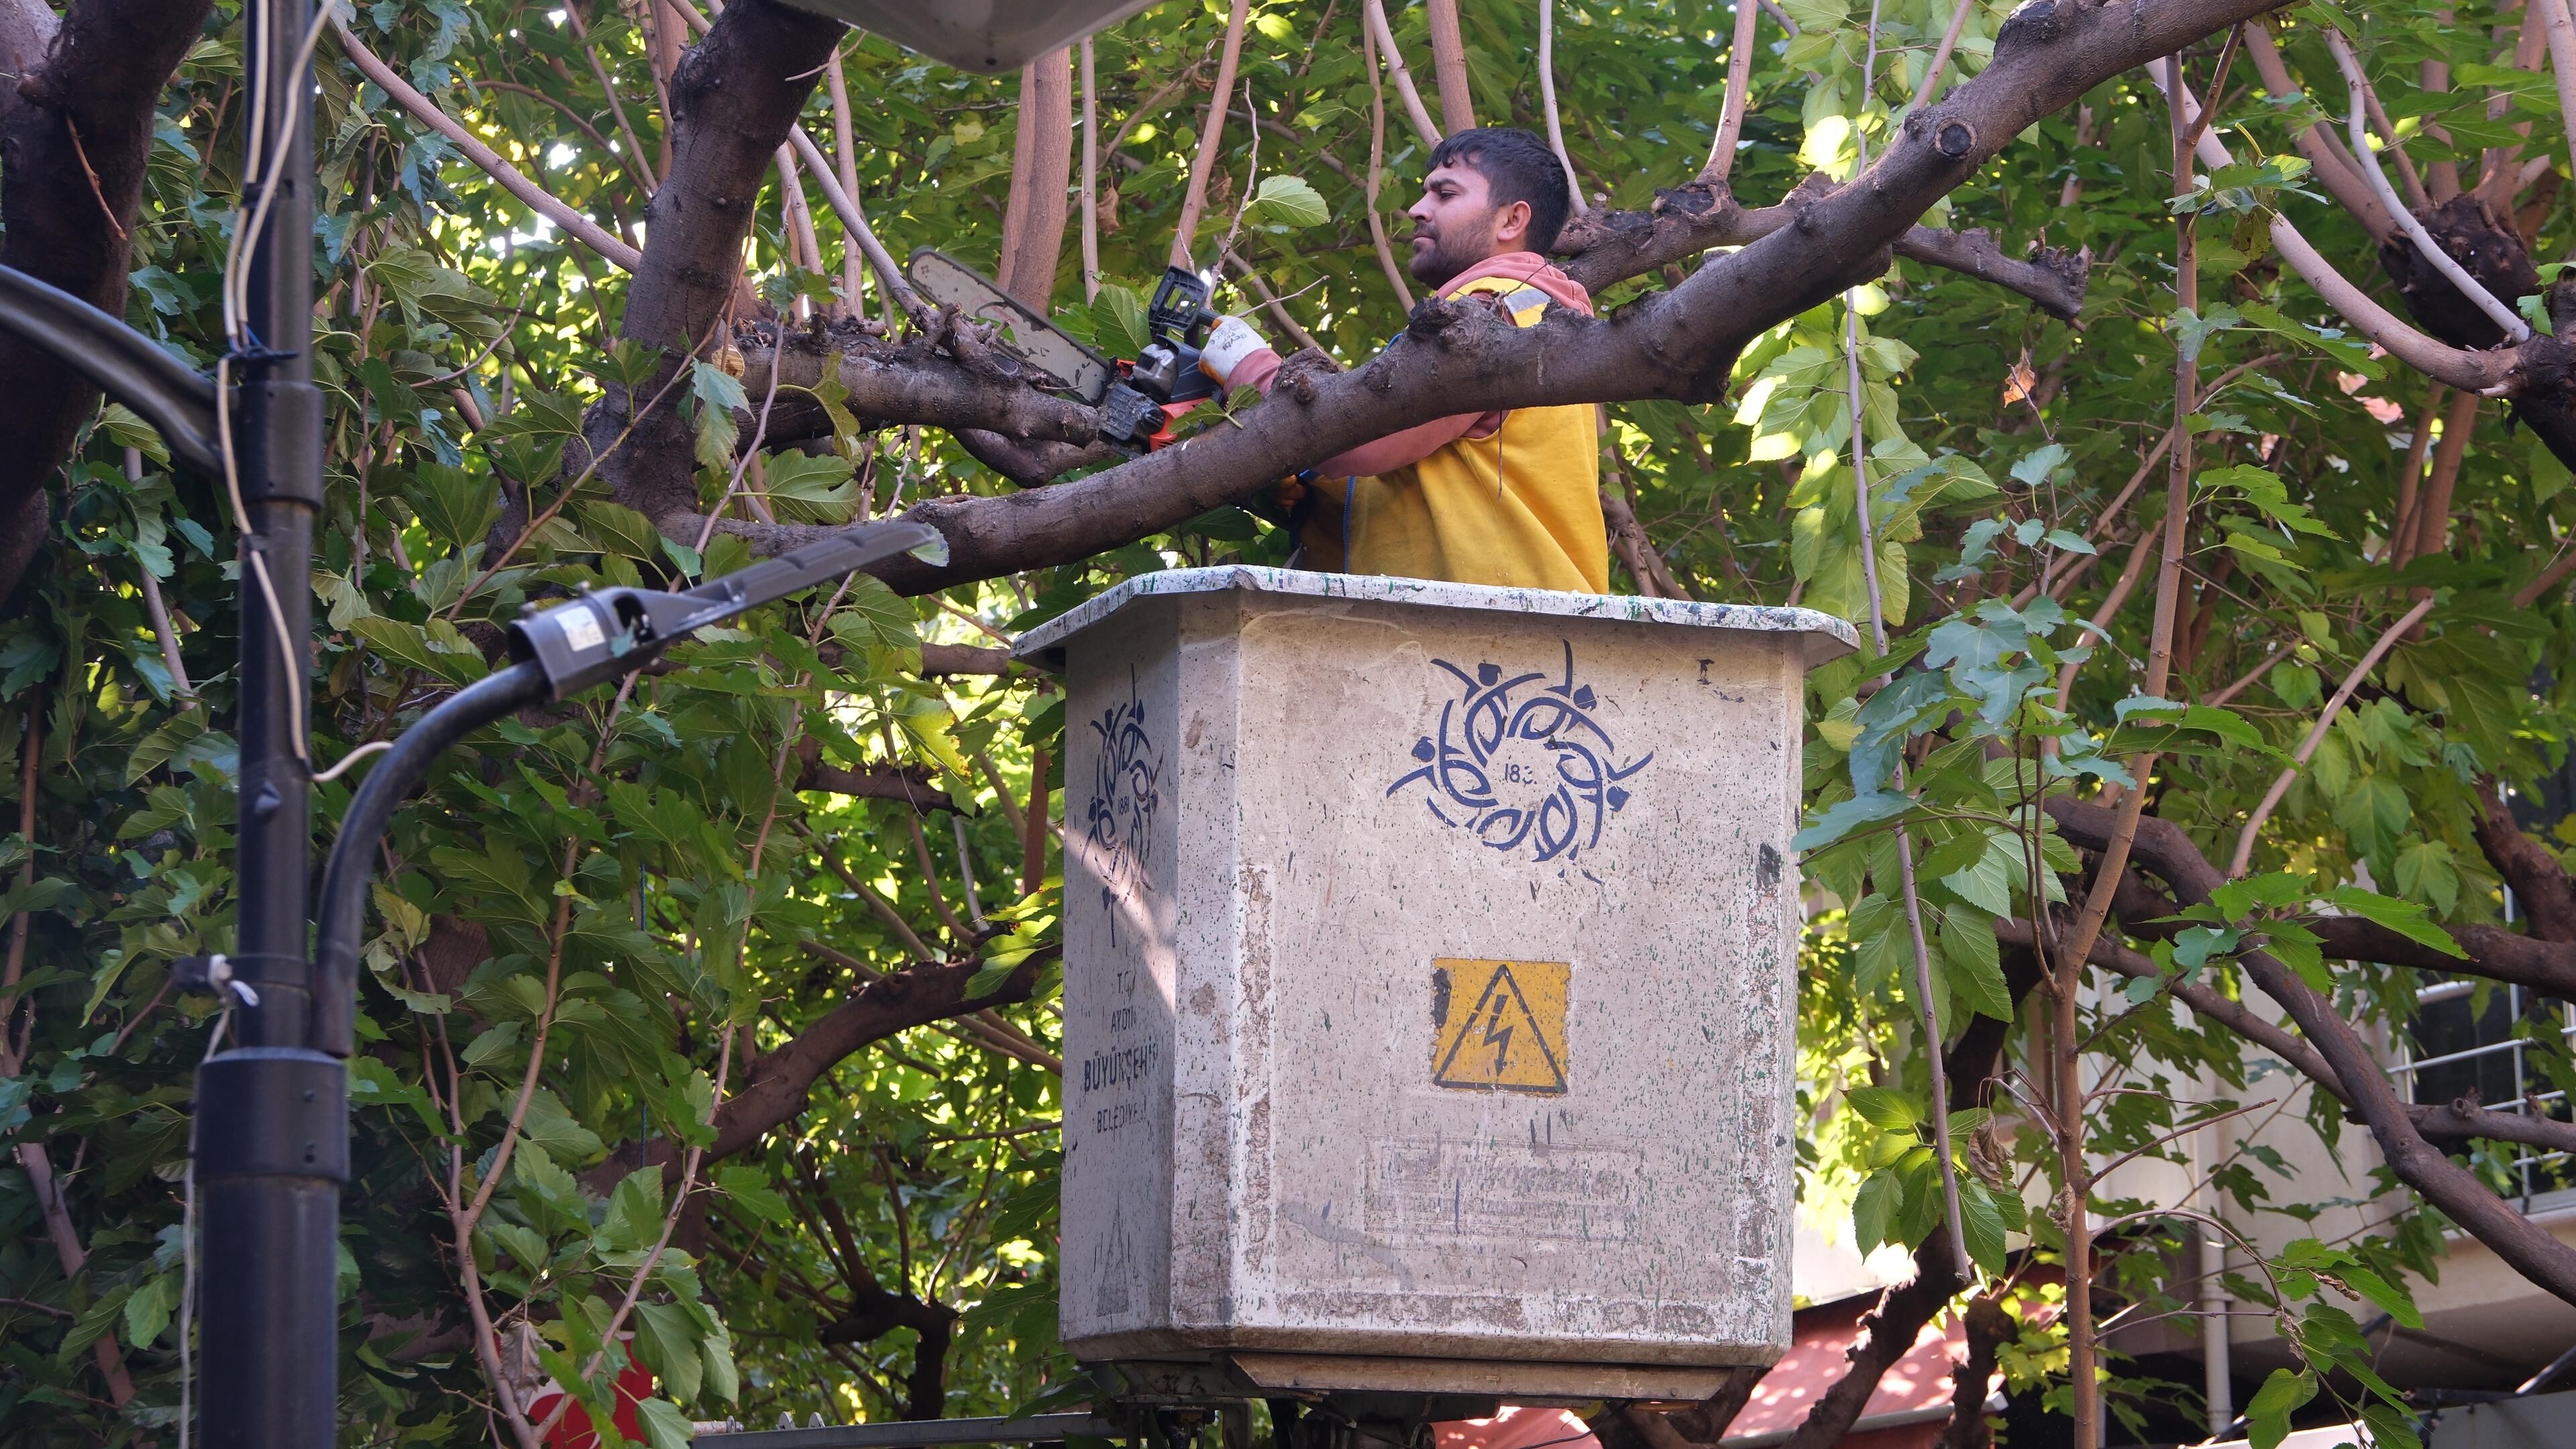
point(1456, 224)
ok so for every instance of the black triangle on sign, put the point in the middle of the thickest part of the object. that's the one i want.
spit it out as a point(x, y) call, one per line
point(1500, 1014)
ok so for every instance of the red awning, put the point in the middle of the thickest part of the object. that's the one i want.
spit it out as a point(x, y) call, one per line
point(1916, 1384)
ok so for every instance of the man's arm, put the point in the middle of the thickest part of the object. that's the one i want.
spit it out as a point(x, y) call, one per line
point(1237, 357)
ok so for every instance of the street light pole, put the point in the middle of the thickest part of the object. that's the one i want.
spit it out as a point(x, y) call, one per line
point(271, 1121)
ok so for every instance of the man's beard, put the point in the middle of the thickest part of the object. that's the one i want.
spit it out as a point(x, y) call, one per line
point(1445, 260)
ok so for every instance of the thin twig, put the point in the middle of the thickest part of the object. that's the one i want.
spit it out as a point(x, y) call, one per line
point(2515, 329)
point(1912, 897)
point(575, 225)
point(616, 108)
point(1941, 54)
point(1739, 83)
point(1377, 164)
point(1090, 178)
point(1211, 134)
point(1394, 59)
point(1547, 97)
point(2281, 784)
point(92, 173)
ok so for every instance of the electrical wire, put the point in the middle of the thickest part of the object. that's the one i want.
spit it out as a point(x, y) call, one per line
point(239, 340)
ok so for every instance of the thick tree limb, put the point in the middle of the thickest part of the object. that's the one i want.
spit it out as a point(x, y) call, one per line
point(774, 1090)
point(2464, 1118)
point(892, 383)
point(2329, 162)
point(75, 132)
point(732, 103)
point(910, 785)
point(2540, 883)
point(1676, 344)
point(1989, 1327)
point(2163, 850)
point(1449, 66)
point(2481, 372)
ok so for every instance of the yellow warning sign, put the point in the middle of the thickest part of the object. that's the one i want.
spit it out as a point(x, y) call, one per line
point(1499, 1026)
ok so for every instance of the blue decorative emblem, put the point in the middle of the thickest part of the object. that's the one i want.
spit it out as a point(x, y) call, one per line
point(1534, 768)
point(1126, 792)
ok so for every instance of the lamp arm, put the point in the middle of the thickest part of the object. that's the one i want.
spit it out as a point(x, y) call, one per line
point(128, 366)
point(343, 907)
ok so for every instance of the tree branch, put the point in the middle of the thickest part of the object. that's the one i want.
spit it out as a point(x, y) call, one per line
point(1605, 247)
point(2162, 849)
point(774, 1089)
point(539, 200)
point(75, 133)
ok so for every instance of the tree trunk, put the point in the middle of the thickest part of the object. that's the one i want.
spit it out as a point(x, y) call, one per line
point(1449, 64)
point(75, 132)
point(732, 103)
point(1041, 169)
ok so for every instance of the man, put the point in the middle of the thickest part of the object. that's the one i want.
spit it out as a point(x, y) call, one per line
point(1507, 497)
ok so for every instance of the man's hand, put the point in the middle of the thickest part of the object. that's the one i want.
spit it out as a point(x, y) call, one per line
point(1231, 343)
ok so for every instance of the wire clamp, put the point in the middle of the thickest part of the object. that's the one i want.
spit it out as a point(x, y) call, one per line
point(212, 974)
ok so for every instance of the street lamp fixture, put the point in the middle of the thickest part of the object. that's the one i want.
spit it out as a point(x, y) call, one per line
point(982, 35)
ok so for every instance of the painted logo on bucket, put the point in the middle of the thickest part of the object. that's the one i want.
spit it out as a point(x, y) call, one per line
point(1522, 767)
point(1126, 794)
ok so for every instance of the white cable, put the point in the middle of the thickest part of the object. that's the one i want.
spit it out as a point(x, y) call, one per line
point(351, 758)
point(247, 222)
point(236, 279)
point(259, 562)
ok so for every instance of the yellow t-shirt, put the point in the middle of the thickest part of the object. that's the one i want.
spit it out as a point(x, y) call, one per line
point(1520, 508)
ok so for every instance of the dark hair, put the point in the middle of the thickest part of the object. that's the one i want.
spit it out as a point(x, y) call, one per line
point(1517, 166)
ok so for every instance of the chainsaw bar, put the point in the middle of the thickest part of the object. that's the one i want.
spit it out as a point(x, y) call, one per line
point(1073, 369)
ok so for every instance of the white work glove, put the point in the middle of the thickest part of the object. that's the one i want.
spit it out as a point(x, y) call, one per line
point(1230, 343)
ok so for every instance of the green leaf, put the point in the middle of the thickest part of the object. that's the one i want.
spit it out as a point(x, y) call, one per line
point(2390, 1298)
point(1974, 963)
point(667, 1342)
point(126, 429)
point(749, 1188)
point(1988, 884)
point(634, 1217)
point(148, 1310)
point(540, 1174)
point(456, 507)
point(811, 488)
point(412, 646)
point(1885, 1108)
point(2404, 917)
point(155, 749)
point(713, 395)
point(1120, 320)
point(2426, 872)
point(1874, 1209)
point(665, 1427)
point(616, 529)
point(1982, 1224)
point(1850, 815)
point(2268, 1414)
point(1288, 201)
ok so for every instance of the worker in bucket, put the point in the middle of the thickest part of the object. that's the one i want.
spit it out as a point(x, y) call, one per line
point(1508, 497)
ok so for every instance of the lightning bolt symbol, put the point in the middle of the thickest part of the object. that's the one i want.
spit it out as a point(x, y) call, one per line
point(1499, 1037)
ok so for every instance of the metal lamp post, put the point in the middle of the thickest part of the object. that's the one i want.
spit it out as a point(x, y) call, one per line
point(271, 1142)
